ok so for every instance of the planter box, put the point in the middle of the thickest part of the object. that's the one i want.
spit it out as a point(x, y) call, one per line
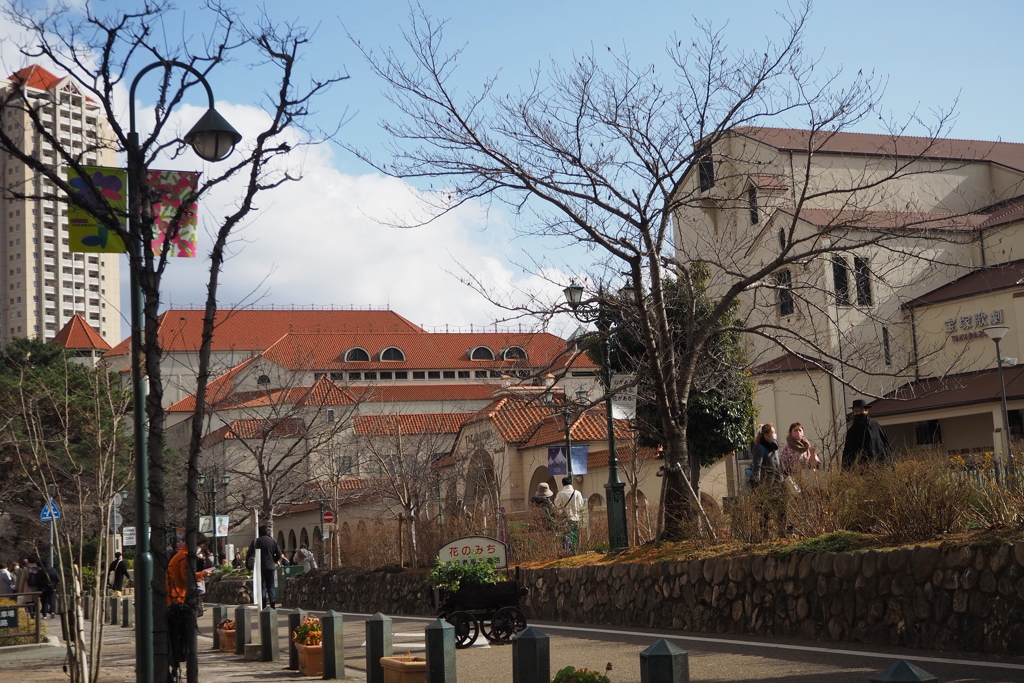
point(311, 659)
point(404, 669)
point(227, 640)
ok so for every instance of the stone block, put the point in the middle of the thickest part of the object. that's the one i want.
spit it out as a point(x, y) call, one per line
point(924, 562)
point(253, 652)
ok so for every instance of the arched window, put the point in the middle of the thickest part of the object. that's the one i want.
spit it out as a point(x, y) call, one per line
point(514, 353)
point(481, 353)
point(392, 353)
point(357, 354)
point(784, 282)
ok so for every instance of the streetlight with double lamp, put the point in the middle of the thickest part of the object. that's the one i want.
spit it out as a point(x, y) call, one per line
point(213, 139)
point(996, 334)
point(209, 485)
point(615, 490)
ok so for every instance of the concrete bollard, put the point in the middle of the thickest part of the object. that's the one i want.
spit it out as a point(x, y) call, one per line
point(664, 662)
point(127, 613)
point(294, 619)
point(902, 670)
point(531, 656)
point(220, 615)
point(379, 634)
point(243, 628)
point(440, 637)
point(270, 647)
point(333, 627)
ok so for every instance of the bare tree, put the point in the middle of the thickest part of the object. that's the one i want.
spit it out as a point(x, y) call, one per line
point(101, 53)
point(612, 155)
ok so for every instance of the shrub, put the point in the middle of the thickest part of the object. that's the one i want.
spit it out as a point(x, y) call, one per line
point(26, 625)
point(836, 542)
point(451, 575)
point(573, 675)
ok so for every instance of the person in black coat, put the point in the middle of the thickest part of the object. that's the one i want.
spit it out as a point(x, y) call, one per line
point(270, 555)
point(866, 441)
point(767, 480)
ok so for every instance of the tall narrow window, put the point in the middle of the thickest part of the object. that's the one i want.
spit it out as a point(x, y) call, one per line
point(752, 200)
point(784, 281)
point(841, 280)
point(886, 350)
point(705, 169)
point(862, 274)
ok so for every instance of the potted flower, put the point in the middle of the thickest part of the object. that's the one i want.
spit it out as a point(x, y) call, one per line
point(226, 634)
point(404, 669)
point(309, 638)
point(571, 674)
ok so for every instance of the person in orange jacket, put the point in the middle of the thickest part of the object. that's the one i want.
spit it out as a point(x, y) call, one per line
point(177, 586)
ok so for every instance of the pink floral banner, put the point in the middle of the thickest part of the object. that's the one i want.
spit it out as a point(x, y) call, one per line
point(176, 188)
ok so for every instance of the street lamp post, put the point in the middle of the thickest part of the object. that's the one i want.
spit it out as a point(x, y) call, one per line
point(212, 138)
point(225, 479)
point(996, 334)
point(615, 490)
point(567, 413)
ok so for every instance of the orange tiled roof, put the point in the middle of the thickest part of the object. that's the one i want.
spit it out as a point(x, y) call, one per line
point(258, 330)
point(77, 334)
point(218, 390)
point(591, 426)
point(35, 76)
point(1009, 154)
point(257, 428)
point(418, 423)
point(515, 418)
point(324, 392)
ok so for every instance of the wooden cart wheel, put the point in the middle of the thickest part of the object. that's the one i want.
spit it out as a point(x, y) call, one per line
point(466, 628)
point(505, 623)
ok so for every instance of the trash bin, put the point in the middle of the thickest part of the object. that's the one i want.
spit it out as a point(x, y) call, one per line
point(284, 573)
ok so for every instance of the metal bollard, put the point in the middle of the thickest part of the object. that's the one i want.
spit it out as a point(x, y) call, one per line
point(664, 662)
point(243, 629)
point(294, 619)
point(531, 656)
point(269, 646)
point(379, 634)
point(87, 605)
point(112, 610)
point(440, 636)
point(220, 615)
point(333, 627)
point(902, 670)
point(127, 613)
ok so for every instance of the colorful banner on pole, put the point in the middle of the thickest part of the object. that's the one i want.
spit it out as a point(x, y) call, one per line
point(176, 189)
point(557, 462)
point(85, 233)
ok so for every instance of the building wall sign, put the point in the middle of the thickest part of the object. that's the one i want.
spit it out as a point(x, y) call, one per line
point(971, 326)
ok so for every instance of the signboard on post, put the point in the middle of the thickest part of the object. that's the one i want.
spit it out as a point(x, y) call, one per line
point(8, 617)
point(223, 522)
point(128, 534)
point(462, 550)
point(50, 512)
point(328, 517)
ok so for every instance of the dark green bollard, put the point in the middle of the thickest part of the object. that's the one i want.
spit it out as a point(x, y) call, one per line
point(220, 615)
point(902, 670)
point(531, 656)
point(127, 613)
point(113, 610)
point(379, 634)
point(333, 627)
point(440, 652)
point(87, 605)
point(270, 650)
point(243, 629)
point(294, 619)
point(664, 662)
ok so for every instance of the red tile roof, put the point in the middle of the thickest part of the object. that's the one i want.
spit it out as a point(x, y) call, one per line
point(790, 362)
point(324, 392)
point(35, 76)
point(591, 426)
point(890, 220)
point(981, 281)
point(77, 334)
point(968, 388)
point(218, 390)
point(258, 428)
point(1009, 154)
point(515, 418)
point(258, 330)
point(420, 423)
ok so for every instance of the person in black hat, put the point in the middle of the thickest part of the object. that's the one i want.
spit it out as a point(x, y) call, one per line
point(866, 441)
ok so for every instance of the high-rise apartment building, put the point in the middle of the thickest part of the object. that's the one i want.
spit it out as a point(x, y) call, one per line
point(43, 284)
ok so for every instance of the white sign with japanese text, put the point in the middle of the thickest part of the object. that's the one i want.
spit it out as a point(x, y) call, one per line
point(470, 547)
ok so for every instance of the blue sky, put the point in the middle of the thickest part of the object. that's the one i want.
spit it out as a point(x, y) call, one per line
point(317, 243)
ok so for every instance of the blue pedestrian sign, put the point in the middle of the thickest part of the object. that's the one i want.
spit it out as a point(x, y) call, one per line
point(50, 512)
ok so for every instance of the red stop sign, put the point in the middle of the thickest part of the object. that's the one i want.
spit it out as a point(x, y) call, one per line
point(328, 517)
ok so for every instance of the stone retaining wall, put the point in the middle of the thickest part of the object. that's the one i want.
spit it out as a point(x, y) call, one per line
point(948, 598)
point(228, 590)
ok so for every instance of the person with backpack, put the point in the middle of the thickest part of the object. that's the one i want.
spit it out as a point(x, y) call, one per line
point(49, 597)
point(32, 579)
